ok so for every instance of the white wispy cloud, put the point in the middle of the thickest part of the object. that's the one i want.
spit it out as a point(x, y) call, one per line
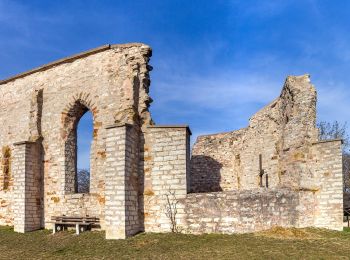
point(219, 91)
point(333, 102)
point(84, 159)
point(228, 99)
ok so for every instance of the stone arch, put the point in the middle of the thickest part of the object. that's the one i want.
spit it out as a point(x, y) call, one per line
point(71, 115)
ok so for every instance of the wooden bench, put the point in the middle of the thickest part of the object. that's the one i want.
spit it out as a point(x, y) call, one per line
point(81, 223)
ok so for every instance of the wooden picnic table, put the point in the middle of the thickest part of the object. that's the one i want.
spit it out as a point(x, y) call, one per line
point(81, 223)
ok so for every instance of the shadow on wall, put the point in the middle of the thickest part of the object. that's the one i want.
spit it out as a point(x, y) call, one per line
point(141, 198)
point(205, 174)
point(346, 199)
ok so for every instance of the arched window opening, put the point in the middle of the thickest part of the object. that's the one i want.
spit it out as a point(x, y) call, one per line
point(84, 140)
point(77, 133)
point(6, 167)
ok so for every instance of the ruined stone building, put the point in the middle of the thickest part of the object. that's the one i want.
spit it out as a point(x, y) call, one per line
point(274, 172)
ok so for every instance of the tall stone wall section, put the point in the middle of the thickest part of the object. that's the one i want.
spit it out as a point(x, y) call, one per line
point(166, 158)
point(112, 82)
point(329, 191)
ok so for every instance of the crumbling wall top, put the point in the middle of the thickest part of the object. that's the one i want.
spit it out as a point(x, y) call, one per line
point(77, 56)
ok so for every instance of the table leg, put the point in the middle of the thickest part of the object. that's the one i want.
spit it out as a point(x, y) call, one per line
point(77, 230)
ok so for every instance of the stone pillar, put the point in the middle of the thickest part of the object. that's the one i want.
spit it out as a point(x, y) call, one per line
point(329, 173)
point(166, 168)
point(27, 187)
point(121, 207)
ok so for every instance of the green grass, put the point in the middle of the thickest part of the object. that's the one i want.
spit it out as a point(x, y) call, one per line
point(275, 244)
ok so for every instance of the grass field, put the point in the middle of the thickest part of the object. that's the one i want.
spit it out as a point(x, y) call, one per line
point(274, 244)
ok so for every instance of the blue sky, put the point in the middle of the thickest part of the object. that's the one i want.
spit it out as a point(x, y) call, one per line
point(215, 62)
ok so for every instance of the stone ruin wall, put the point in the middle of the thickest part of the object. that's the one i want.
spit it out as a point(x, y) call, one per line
point(282, 133)
point(42, 109)
point(247, 210)
point(251, 210)
point(305, 174)
point(285, 134)
point(136, 165)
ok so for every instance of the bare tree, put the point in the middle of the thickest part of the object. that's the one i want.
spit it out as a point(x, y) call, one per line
point(337, 130)
point(83, 181)
point(334, 130)
point(346, 172)
point(171, 210)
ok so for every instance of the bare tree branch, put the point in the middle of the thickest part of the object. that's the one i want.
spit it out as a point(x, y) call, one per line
point(171, 210)
point(83, 179)
point(334, 130)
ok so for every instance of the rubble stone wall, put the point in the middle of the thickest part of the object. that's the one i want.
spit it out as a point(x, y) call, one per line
point(7, 194)
point(247, 211)
point(282, 133)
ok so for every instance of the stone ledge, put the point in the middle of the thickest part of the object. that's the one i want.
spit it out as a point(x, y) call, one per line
point(328, 141)
point(171, 126)
point(253, 192)
point(72, 196)
point(24, 142)
point(71, 59)
point(118, 125)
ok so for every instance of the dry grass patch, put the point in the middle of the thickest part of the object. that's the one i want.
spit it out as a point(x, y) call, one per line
point(273, 244)
point(289, 233)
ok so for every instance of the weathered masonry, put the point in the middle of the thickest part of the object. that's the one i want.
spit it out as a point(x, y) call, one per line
point(300, 177)
point(275, 172)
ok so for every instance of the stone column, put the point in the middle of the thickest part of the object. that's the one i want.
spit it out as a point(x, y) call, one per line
point(328, 172)
point(27, 187)
point(121, 207)
point(166, 167)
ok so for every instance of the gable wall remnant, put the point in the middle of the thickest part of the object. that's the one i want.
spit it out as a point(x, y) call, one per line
point(45, 106)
